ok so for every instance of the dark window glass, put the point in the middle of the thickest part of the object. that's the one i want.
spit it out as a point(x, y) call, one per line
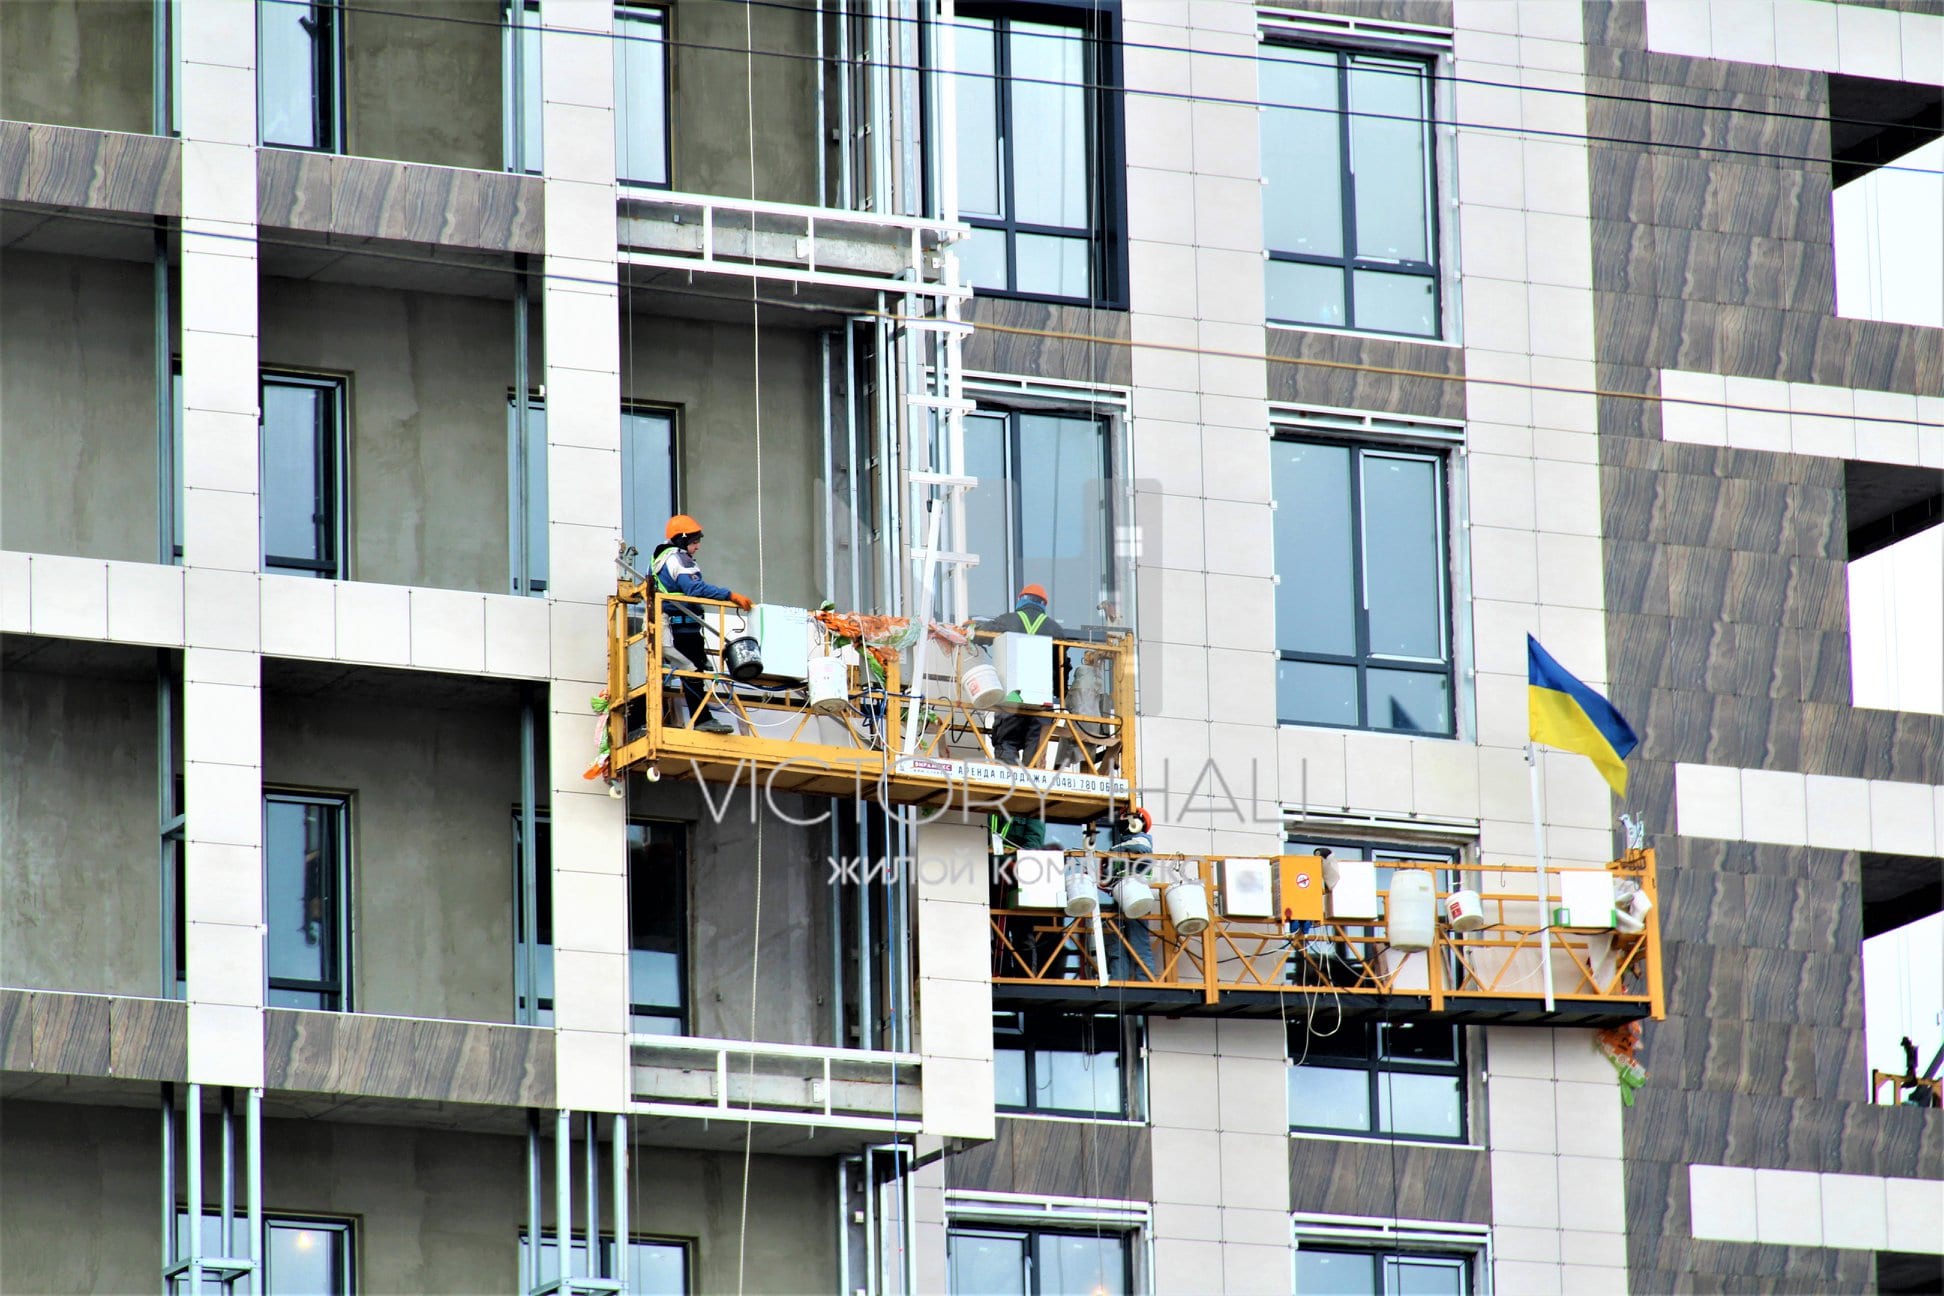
point(305, 876)
point(1347, 199)
point(1031, 158)
point(1071, 1064)
point(1043, 512)
point(1371, 1078)
point(655, 1267)
point(647, 476)
point(640, 96)
point(529, 567)
point(297, 74)
point(658, 927)
point(543, 919)
point(302, 474)
point(302, 1257)
point(991, 1260)
point(520, 88)
point(1333, 1271)
point(1362, 614)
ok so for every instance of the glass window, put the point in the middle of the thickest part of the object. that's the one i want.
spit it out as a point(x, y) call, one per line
point(520, 87)
point(298, 67)
point(303, 437)
point(992, 1260)
point(542, 1013)
point(306, 878)
point(302, 1257)
point(1362, 612)
point(1347, 200)
point(1405, 1079)
point(1334, 1271)
point(658, 927)
point(529, 564)
point(1032, 114)
point(656, 1266)
point(1043, 511)
point(1070, 1064)
point(647, 476)
point(640, 96)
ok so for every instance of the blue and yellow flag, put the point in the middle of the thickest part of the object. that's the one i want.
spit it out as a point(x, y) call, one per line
point(1567, 714)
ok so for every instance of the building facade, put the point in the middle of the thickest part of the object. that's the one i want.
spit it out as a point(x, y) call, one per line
point(1310, 358)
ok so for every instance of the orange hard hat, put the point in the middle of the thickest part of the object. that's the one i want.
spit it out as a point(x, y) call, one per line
point(682, 524)
point(1035, 591)
point(1147, 820)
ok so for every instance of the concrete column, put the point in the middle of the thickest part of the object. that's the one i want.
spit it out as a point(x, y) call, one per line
point(222, 703)
point(580, 322)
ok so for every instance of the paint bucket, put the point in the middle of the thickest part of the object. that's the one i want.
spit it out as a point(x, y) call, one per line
point(979, 683)
point(1082, 892)
point(1187, 903)
point(742, 658)
point(1465, 911)
point(1627, 924)
point(829, 685)
point(1134, 896)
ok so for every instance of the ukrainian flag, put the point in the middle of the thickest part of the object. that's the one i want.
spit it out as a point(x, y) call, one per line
point(1567, 714)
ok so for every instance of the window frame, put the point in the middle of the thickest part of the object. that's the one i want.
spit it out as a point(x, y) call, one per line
point(543, 960)
point(662, 16)
point(536, 574)
point(327, 71)
point(1385, 1259)
point(686, 1246)
point(1032, 1234)
point(528, 120)
point(331, 456)
point(681, 1013)
point(653, 525)
point(1376, 1065)
point(1349, 261)
point(1116, 588)
point(1363, 660)
point(1039, 1031)
point(338, 904)
point(343, 1228)
point(1106, 183)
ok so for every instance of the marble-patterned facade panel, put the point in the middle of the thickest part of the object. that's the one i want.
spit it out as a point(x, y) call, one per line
point(1045, 340)
point(1060, 1158)
point(399, 1057)
point(66, 166)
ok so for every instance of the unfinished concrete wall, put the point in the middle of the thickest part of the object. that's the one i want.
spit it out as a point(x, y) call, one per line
point(435, 1211)
point(422, 82)
point(433, 791)
point(710, 73)
point(78, 452)
point(77, 63)
point(80, 864)
point(707, 369)
point(429, 378)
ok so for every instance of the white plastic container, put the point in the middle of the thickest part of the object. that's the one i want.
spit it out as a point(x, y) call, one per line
point(1026, 665)
point(829, 685)
point(1133, 896)
point(1585, 898)
point(1465, 911)
point(1187, 902)
point(979, 683)
point(1248, 888)
point(1353, 896)
point(1039, 880)
point(784, 633)
point(1082, 889)
point(1413, 922)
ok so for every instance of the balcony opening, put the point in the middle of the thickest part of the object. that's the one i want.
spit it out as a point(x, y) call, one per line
point(1903, 977)
point(1896, 585)
point(1887, 173)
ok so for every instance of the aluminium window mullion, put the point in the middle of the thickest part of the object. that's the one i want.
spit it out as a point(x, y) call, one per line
point(1347, 169)
point(1008, 188)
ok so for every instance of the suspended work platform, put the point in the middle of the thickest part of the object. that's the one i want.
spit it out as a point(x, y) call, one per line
point(1251, 961)
point(887, 732)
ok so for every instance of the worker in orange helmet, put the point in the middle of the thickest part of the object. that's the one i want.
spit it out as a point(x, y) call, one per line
point(1017, 736)
point(676, 571)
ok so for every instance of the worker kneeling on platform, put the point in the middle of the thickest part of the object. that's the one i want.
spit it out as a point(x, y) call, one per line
point(677, 571)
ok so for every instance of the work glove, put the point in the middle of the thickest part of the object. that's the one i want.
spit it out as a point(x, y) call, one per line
point(742, 601)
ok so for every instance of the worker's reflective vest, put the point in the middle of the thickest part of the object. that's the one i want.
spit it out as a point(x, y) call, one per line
point(1033, 623)
point(674, 568)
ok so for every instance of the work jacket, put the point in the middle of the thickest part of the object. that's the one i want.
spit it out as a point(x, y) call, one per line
point(677, 572)
point(1042, 623)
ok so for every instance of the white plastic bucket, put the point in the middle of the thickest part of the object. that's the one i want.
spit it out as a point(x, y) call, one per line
point(1465, 911)
point(1637, 905)
point(1134, 896)
point(1188, 907)
point(1082, 891)
point(1412, 913)
point(979, 682)
point(1627, 923)
point(829, 685)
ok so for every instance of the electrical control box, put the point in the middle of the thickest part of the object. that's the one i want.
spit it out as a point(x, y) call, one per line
point(1248, 888)
point(1299, 888)
point(1025, 667)
point(784, 633)
point(1354, 897)
point(1039, 880)
point(1585, 899)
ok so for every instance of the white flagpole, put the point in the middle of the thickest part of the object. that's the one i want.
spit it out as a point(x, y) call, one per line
point(1545, 881)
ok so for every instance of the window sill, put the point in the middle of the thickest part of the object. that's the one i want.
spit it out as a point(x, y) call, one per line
point(1445, 343)
point(1373, 1140)
point(1381, 733)
point(1080, 303)
point(1069, 1120)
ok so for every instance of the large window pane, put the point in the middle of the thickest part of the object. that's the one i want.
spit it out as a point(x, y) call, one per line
point(542, 1013)
point(1335, 1273)
point(982, 259)
point(1009, 1078)
point(647, 476)
point(1397, 303)
point(1062, 511)
point(1425, 1276)
point(1329, 1098)
point(979, 190)
point(1301, 153)
point(1427, 1105)
point(1404, 556)
point(300, 475)
point(520, 115)
point(302, 862)
point(1079, 1082)
point(657, 923)
point(1316, 605)
point(1299, 293)
point(1049, 114)
point(988, 524)
point(1052, 267)
point(308, 1260)
point(527, 493)
point(1316, 693)
point(987, 1264)
point(1408, 701)
point(1387, 146)
point(640, 97)
point(296, 65)
point(1096, 1266)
